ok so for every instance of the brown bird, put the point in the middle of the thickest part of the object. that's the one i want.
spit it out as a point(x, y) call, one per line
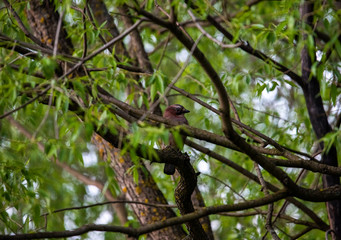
point(174, 112)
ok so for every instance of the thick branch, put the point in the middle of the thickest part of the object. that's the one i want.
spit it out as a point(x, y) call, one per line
point(313, 166)
point(320, 195)
point(155, 226)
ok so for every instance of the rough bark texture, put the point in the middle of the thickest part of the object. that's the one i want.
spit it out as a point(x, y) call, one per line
point(198, 201)
point(184, 190)
point(137, 51)
point(101, 15)
point(144, 190)
point(136, 48)
point(319, 121)
point(43, 20)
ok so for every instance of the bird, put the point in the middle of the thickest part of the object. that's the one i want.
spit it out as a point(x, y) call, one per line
point(176, 113)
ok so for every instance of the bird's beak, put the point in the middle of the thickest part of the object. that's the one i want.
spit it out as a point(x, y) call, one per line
point(185, 111)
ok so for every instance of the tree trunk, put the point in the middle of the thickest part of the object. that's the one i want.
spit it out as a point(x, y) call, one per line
point(144, 190)
point(318, 119)
point(43, 20)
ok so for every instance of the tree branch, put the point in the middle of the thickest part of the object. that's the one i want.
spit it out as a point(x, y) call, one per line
point(135, 232)
point(205, 64)
point(256, 53)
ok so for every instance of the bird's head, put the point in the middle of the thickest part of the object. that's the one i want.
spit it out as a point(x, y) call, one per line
point(175, 110)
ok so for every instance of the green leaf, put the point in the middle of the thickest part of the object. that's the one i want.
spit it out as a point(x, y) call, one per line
point(153, 92)
point(329, 140)
point(160, 84)
point(280, 27)
point(80, 88)
point(89, 129)
point(338, 47)
point(257, 26)
point(49, 66)
point(150, 80)
point(271, 37)
point(311, 47)
point(150, 4)
point(333, 93)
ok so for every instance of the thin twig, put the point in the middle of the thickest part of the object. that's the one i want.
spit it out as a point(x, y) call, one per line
point(330, 231)
point(113, 41)
point(157, 205)
point(202, 30)
point(268, 223)
point(25, 104)
point(175, 79)
point(163, 52)
point(247, 133)
point(282, 216)
point(160, 45)
point(85, 41)
point(131, 69)
point(226, 185)
point(172, 19)
point(56, 39)
point(300, 234)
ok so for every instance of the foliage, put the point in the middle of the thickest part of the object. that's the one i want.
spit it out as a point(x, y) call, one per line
point(34, 180)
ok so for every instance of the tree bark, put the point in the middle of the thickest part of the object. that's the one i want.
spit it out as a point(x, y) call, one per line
point(318, 119)
point(43, 20)
point(144, 190)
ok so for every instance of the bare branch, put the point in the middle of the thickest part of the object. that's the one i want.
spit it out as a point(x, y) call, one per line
point(56, 40)
point(158, 205)
point(268, 223)
point(85, 39)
